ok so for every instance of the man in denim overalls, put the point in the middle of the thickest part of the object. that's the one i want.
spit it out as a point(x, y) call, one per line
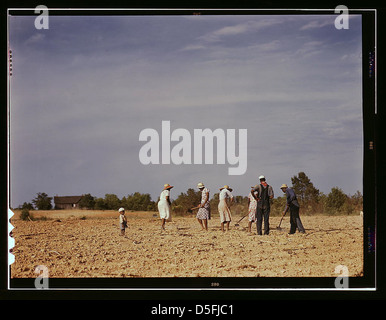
point(264, 195)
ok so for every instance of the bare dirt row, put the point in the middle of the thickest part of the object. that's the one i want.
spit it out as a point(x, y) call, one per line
point(73, 247)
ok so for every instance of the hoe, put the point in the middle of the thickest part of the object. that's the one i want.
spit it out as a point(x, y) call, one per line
point(278, 227)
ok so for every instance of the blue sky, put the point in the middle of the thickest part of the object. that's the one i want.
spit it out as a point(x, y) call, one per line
point(82, 91)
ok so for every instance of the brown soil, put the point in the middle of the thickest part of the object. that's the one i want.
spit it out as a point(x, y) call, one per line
point(93, 247)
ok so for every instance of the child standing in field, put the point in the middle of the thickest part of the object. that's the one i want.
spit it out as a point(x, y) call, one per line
point(122, 221)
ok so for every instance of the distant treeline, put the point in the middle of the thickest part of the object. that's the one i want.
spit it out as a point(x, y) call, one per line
point(311, 200)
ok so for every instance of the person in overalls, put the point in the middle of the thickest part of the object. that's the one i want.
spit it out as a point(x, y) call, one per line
point(264, 195)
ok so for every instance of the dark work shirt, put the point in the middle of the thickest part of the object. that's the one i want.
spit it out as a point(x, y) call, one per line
point(291, 198)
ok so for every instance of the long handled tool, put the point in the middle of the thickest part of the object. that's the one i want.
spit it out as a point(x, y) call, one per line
point(278, 227)
point(237, 224)
point(190, 210)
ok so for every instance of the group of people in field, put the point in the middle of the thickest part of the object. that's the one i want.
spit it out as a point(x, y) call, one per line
point(258, 207)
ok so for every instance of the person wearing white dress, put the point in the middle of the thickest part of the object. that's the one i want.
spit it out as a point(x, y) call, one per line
point(226, 198)
point(252, 206)
point(164, 205)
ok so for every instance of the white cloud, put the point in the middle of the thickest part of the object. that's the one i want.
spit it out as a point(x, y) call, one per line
point(317, 23)
point(35, 39)
point(310, 48)
point(250, 26)
point(227, 31)
point(87, 106)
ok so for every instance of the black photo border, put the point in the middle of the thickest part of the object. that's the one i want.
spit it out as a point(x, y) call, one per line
point(150, 287)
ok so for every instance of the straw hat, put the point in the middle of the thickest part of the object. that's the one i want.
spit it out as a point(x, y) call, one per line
point(200, 185)
point(168, 186)
point(283, 186)
point(226, 187)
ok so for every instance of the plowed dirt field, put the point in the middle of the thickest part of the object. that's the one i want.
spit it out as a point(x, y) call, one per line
point(90, 245)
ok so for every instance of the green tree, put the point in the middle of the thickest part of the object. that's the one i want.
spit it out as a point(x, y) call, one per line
point(215, 201)
point(306, 193)
point(27, 206)
point(322, 204)
point(42, 201)
point(240, 205)
point(112, 202)
point(87, 201)
point(357, 201)
point(100, 204)
point(353, 204)
point(25, 215)
point(187, 200)
point(139, 202)
point(278, 205)
point(335, 201)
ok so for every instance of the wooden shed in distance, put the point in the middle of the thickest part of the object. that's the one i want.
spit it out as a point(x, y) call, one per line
point(67, 202)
